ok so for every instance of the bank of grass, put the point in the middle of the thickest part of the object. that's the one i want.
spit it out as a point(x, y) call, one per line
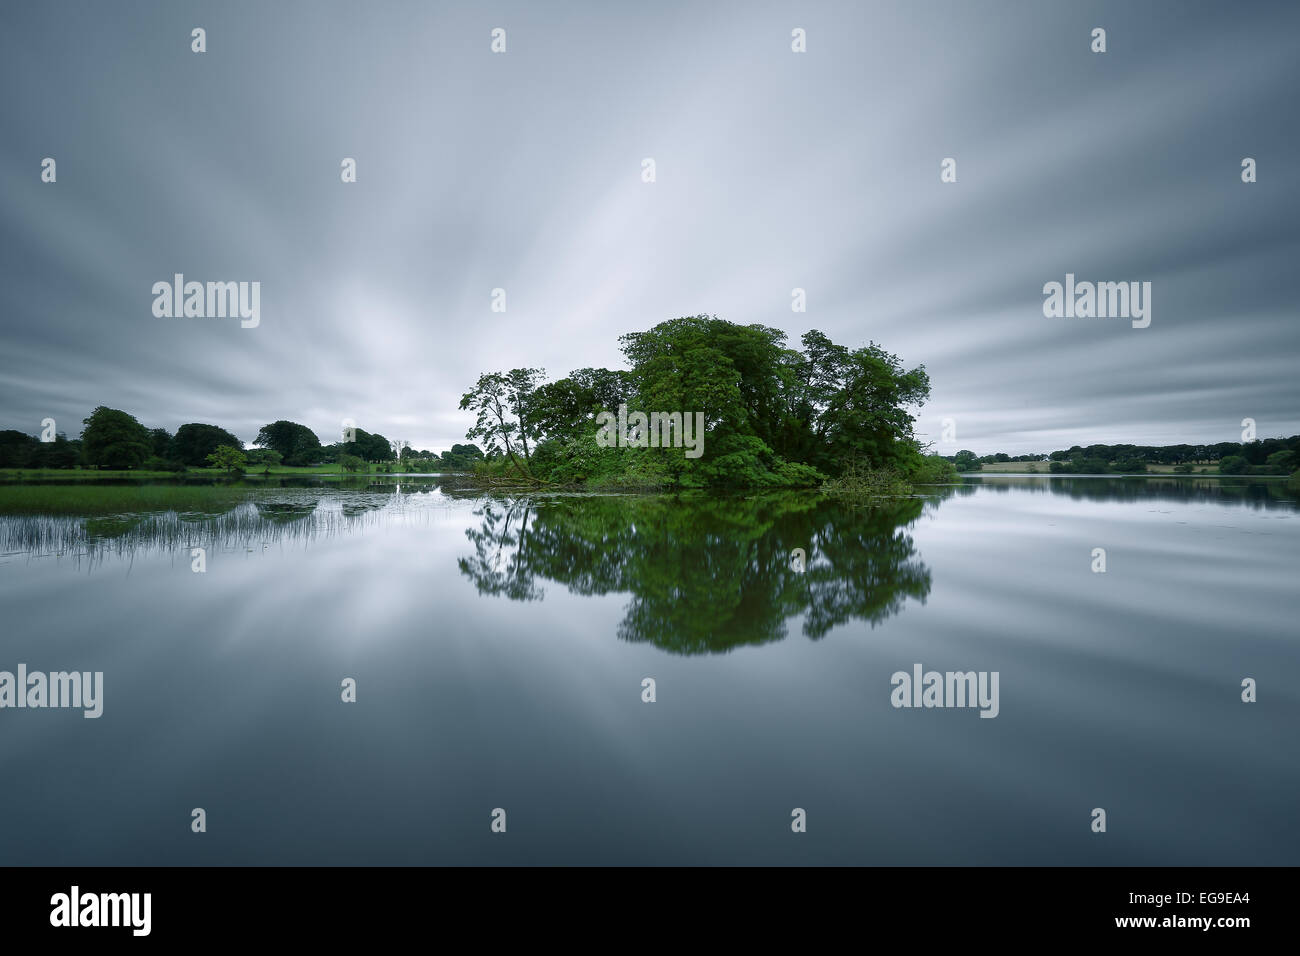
point(252, 471)
point(77, 474)
point(93, 499)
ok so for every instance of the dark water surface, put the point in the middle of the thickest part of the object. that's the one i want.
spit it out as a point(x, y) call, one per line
point(499, 646)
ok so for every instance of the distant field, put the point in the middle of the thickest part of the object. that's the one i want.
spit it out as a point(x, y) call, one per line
point(1016, 466)
point(1044, 468)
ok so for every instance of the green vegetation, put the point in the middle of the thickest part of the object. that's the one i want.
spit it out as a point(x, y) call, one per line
point(703, 403)
point(705, 573)
point(114, 439)
point(1269, 456)
point(230, 459)
point(102, 499)
point(265, 458)
point(195, 444)
point(296, 444)
point(859, 481)
point(769, 416)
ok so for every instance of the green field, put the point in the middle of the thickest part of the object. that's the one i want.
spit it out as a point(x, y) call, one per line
point(1044, 468)
point(90, 474)
point(91, 499)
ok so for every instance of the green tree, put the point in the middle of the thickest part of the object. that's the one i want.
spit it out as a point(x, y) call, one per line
point(368, 447)
point(193, 443)
point(113, 439)
point(773, 416)
point(502, 402)
point(967, 460)
point(1234, 465)
point(161, 439)
point(228, 457)
point(460, 457)
point(860, 401)
point(1282, 462)
point(266, 457)
point(297, 444)
point(59, 453)
point(17, 449)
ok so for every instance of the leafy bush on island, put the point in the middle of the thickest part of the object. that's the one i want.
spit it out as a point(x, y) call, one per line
point(771, 416)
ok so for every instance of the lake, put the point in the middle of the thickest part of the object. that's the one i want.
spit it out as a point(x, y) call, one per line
point(499, 646)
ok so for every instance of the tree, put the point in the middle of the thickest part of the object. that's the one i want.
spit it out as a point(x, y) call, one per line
point(502, 403)
point(559, 409)
point(267, 457)
point(772, 415)
point(859, 400)
point(297, 444)
point(113, 439)
point(17, 449)
point(1283, 462)
point(195, 442)
point(228, 457)
point(966, 461)
point(461, 457)
point(59, 453)
point(1234, 465)
point(369, 447)
point(350, 463)
point(161, 439)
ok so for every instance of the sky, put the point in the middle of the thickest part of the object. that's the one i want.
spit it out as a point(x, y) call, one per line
point(774, 170)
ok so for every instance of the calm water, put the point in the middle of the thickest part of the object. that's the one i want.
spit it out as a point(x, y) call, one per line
point(499, 646)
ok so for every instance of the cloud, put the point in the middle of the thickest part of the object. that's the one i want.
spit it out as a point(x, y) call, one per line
point(522, 171)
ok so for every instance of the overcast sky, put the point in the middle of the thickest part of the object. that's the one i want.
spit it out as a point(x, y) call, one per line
point(774, 170)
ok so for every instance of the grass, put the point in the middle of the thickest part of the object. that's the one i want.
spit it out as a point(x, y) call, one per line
point(89, 474)
point(1044, 468)
point(85, 499)
point(252, 471)
point(243, 528)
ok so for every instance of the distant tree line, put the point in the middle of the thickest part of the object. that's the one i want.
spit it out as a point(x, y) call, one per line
point(1268, 456)
point(115, 440)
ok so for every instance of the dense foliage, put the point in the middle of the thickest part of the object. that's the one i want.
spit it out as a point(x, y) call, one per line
point(772, 416)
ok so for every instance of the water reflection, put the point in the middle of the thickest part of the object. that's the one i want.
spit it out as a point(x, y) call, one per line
point(705, 574)
point(1247, 491)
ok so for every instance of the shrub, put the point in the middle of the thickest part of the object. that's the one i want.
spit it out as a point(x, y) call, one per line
point(933, 470)
point(860, 480)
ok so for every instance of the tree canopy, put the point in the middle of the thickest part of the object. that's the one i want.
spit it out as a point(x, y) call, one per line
point(114, 439)
point(297, 444)
point(772, 415)
point(193, 443)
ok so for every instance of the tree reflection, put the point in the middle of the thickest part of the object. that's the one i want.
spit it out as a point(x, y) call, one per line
point(705, 574)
